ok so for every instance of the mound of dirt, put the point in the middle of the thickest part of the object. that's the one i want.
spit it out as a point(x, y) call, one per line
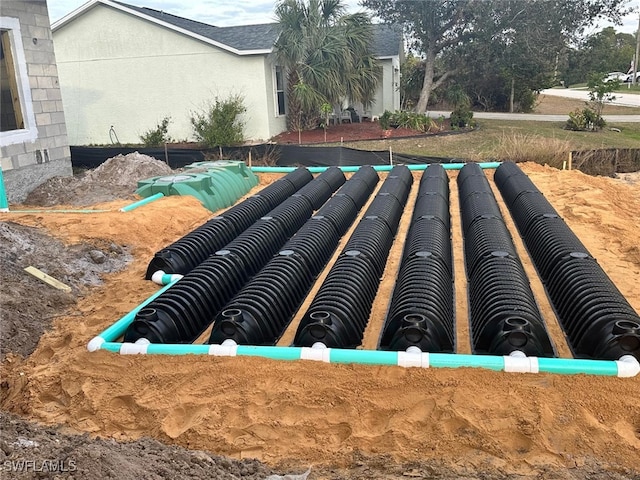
point(28, 305)
point(116, 178)
point(53, 452)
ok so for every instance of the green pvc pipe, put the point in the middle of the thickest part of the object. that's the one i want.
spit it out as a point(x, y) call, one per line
point(4, 204)
point(275, 353)
point(177, 349)
point(377, 168)
point(369, 357)
point(140, 203)
point(111, 346)
point(116, 330)
point(576, 366)
point(447, 360)
point(565, 366)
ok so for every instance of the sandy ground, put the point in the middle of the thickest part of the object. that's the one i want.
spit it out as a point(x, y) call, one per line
point(344, 421)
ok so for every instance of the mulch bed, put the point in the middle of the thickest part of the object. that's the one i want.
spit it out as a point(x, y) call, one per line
point(345, 132)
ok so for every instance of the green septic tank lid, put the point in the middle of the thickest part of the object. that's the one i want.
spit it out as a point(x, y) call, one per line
point(216, 187)
point(244, 174)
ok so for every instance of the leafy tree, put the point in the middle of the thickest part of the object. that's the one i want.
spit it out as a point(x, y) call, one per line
point(600, 93)
point(219, 124)
point(434, 26)
point(516, 42)
point(513, 50)
point(411, 80)
point(604, 51)
point(327, 57)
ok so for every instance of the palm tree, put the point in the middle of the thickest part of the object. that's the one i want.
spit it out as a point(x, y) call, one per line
point(327, 57)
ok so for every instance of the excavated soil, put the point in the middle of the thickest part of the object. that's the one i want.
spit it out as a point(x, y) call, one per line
point(101, 415)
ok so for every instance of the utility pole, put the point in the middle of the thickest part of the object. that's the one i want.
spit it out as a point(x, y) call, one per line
point(637, 57)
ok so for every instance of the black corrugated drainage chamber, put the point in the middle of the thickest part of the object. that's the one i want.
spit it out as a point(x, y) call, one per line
point(339, 312)
point(193, 248)
point(597, 319)
point(503, 314)
point(261, 311)
point(421, 312)
point(185, 310)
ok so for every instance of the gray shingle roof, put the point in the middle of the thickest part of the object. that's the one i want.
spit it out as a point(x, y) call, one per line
point(387, 38)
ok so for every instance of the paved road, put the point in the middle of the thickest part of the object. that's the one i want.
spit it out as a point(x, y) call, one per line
point(536, 117)
point(625, 100)
point(622, 99)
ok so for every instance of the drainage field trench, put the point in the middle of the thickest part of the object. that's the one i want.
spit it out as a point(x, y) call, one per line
point(380, 306)
point(448, 422)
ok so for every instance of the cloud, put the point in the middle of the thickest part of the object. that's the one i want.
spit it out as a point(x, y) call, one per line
point(216, 12)
point(224, 13)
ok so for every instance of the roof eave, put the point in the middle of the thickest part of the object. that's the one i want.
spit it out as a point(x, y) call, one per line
point(92, 3)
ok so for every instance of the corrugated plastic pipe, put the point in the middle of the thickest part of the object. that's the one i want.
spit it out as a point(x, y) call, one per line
point(4, 204)
point(377, 168)
point(627, 366)
point(116, 330)
point(144, 201)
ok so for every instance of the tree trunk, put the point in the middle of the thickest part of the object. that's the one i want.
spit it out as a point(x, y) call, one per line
point(427, 85)
point(512, 95)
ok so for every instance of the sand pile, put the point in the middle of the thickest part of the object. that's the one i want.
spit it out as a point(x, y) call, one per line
point(116, 178)
point(377, 422)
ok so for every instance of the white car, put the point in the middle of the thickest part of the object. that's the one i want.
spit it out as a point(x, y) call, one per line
point(629, 77)
point(621, 77)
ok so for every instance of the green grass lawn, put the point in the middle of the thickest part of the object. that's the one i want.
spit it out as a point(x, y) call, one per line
point(628, 88)
point(544, 142)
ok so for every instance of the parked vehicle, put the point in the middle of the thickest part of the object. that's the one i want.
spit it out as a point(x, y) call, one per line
point(621, 77)
point(629, 77)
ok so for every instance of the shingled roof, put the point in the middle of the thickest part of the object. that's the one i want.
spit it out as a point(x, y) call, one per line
point(242, 39)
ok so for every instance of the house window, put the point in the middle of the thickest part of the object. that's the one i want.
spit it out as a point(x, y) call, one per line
point(11, 112)
point(17, 120)
point(280, 104)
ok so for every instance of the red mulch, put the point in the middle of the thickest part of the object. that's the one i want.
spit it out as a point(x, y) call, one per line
point(346, 132)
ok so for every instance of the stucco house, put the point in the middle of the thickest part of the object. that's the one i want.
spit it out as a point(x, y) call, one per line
point(33, 135)
point(124, 68)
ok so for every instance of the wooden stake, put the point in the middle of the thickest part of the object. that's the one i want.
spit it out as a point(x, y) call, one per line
point(390, 156)
point(570, 160)
point(47, 279)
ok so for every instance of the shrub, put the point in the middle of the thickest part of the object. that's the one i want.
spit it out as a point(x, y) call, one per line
point(405, 119)
point(157, 137)
point(585, 119)
point(462, 117)
point(385, 120)
point(219, 123)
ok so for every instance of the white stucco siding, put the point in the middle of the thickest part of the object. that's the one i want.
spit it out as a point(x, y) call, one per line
point(119, 70)
point(276, 123)
point(387, 94)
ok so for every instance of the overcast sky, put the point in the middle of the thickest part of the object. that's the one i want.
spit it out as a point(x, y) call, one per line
point(244, 12)
point(220, 13)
